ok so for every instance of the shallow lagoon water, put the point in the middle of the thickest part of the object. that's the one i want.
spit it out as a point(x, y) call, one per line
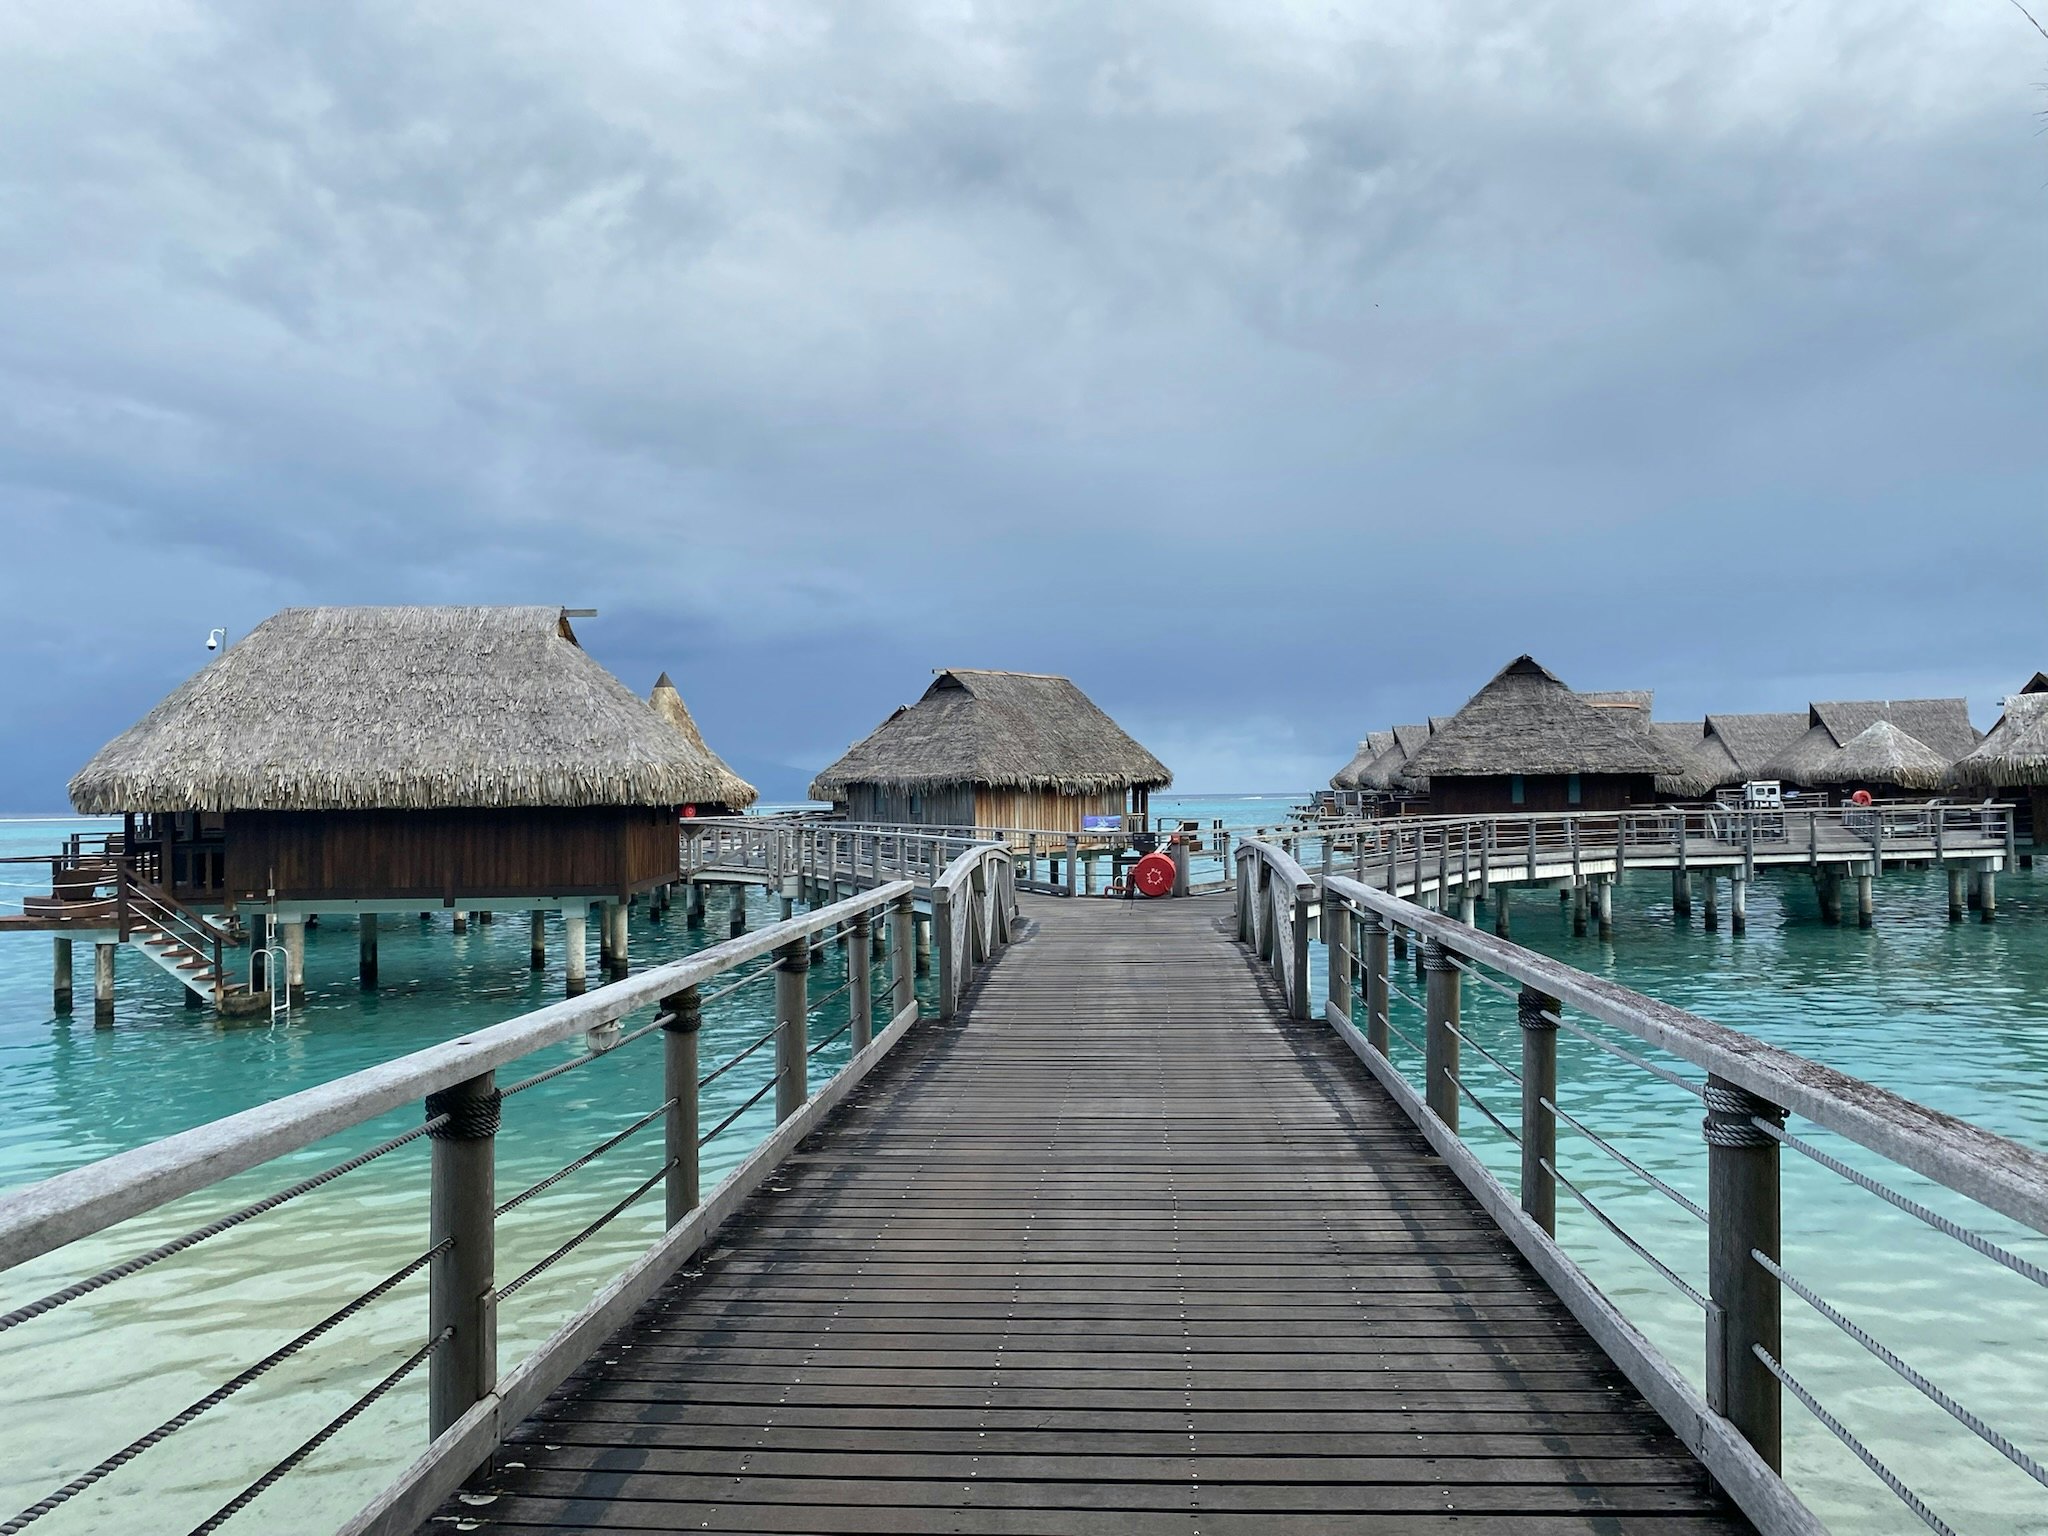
point(1956, 1017)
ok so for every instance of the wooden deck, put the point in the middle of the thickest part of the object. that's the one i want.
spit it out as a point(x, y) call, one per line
point(1120, 1251)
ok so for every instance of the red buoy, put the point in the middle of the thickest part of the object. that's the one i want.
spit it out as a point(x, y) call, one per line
point(1153, 875)
point(1861, 797)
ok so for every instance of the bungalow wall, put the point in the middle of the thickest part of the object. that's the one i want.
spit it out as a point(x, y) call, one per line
point(435, 856)
point(1034, 810)
point(948, 805)
point(1495, 794)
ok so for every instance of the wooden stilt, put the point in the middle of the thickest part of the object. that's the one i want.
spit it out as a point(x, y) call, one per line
point(537, 943)
point(461, 920)
point(60, 974)
point(366, 963)
point(574, 946)
point(103, 983)
point(294, 961)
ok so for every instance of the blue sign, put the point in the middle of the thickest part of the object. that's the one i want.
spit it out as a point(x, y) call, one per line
point(1102, 823)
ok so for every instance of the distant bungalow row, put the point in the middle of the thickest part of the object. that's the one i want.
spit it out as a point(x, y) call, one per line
point(1526, 743)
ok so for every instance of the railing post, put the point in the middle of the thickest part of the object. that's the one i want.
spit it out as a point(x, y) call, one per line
point(461, 1291)
point(1073, 858)
point(792, 1028)
point(949, 958)
point(1742, 1220)
point(1297, 995)
point(1440, 1046)
point(1536, 1012)
point(1338, 940)
point(1532, 847)
point(860, 994)
point(1377, 1033)
point(679, 1087)
point(902, 942)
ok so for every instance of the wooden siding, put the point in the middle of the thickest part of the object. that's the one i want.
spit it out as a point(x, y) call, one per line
point(436, 856)
point(1042, 810)
point(1493, 794)
point(951, 805)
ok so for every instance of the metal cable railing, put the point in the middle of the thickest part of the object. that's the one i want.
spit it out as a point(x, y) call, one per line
point(1749, 1088)
point(456, 1081)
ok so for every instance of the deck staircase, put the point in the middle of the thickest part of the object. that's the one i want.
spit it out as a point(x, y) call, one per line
point(185, 944)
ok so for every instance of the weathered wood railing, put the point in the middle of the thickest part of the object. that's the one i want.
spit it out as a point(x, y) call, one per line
point(1052, 862)
point(1749, 1090)
point(472, 1400)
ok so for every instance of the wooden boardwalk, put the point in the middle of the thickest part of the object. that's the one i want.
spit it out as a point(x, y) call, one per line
point(1120, 1251)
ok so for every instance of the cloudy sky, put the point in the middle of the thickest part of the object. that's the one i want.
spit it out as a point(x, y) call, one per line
point(1278, 371)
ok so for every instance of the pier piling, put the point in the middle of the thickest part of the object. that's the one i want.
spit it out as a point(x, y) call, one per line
point(617, 916)
point(1738, 904)
point(693, 905)
point(103, 983)
point(366, 949)
point(294, 962)
point(1865, 906)
point(1681, 893)
point(1710, 893)
point(537, 940)
point(1501, 926)
point(923, 926)
point(574, 947)
point(1603, 905)
point(737, 919)
point(1579, 912)
point(60, 974)
point(1955, 893)
point(461, 920)
point(1987, 908)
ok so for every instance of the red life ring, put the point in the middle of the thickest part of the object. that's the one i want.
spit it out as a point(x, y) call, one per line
point(1153, 875)
point(1861, 797)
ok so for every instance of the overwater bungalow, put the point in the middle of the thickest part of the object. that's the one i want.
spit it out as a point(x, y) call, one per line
point(1941, 725)
point(1723, 751)
point(1526, 742)
point(1882, 761)
point(2011, 762)
point(1388, 773)
point(379, 760)
point(1000, 750)
point(1347, 777)
point(730, 794)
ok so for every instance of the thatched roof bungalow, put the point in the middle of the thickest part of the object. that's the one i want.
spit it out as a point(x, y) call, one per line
point(2011, 762)
point(1881, 759)
point(995, 749)
point(1724, 750)
point(1526, 742)
point(1389, 772)
point(404, 756)
point(1941, 725)
point(1375, 742)
point(731, 793)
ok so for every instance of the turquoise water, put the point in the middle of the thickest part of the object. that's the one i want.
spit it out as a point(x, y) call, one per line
point(1953, 1016)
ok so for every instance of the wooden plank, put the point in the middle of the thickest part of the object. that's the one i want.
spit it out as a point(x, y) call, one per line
point(1120, 1250)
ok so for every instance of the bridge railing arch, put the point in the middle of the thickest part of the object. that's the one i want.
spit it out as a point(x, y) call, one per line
point(1760, 1102)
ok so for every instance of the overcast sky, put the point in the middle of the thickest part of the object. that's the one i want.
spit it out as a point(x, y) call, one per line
point(1277, 371)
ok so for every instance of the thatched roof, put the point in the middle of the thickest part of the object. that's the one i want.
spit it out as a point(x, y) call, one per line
point(1881, 753)
point(2015, 752)
point(1750, 741)
point(1526, 721)
point(397, 709)
point(2038, 683)
point(1636, 699)
point(1374, 744)
point(1389, 771)
point(733, 790)
point(1942, 725)
point(1007, 730)
point(1706, 765)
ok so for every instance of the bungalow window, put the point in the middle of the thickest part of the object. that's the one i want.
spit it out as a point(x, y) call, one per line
point(1571, 790)
point(1518, 793)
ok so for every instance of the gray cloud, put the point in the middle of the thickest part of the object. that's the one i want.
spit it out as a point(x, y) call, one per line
point(1277, 371)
